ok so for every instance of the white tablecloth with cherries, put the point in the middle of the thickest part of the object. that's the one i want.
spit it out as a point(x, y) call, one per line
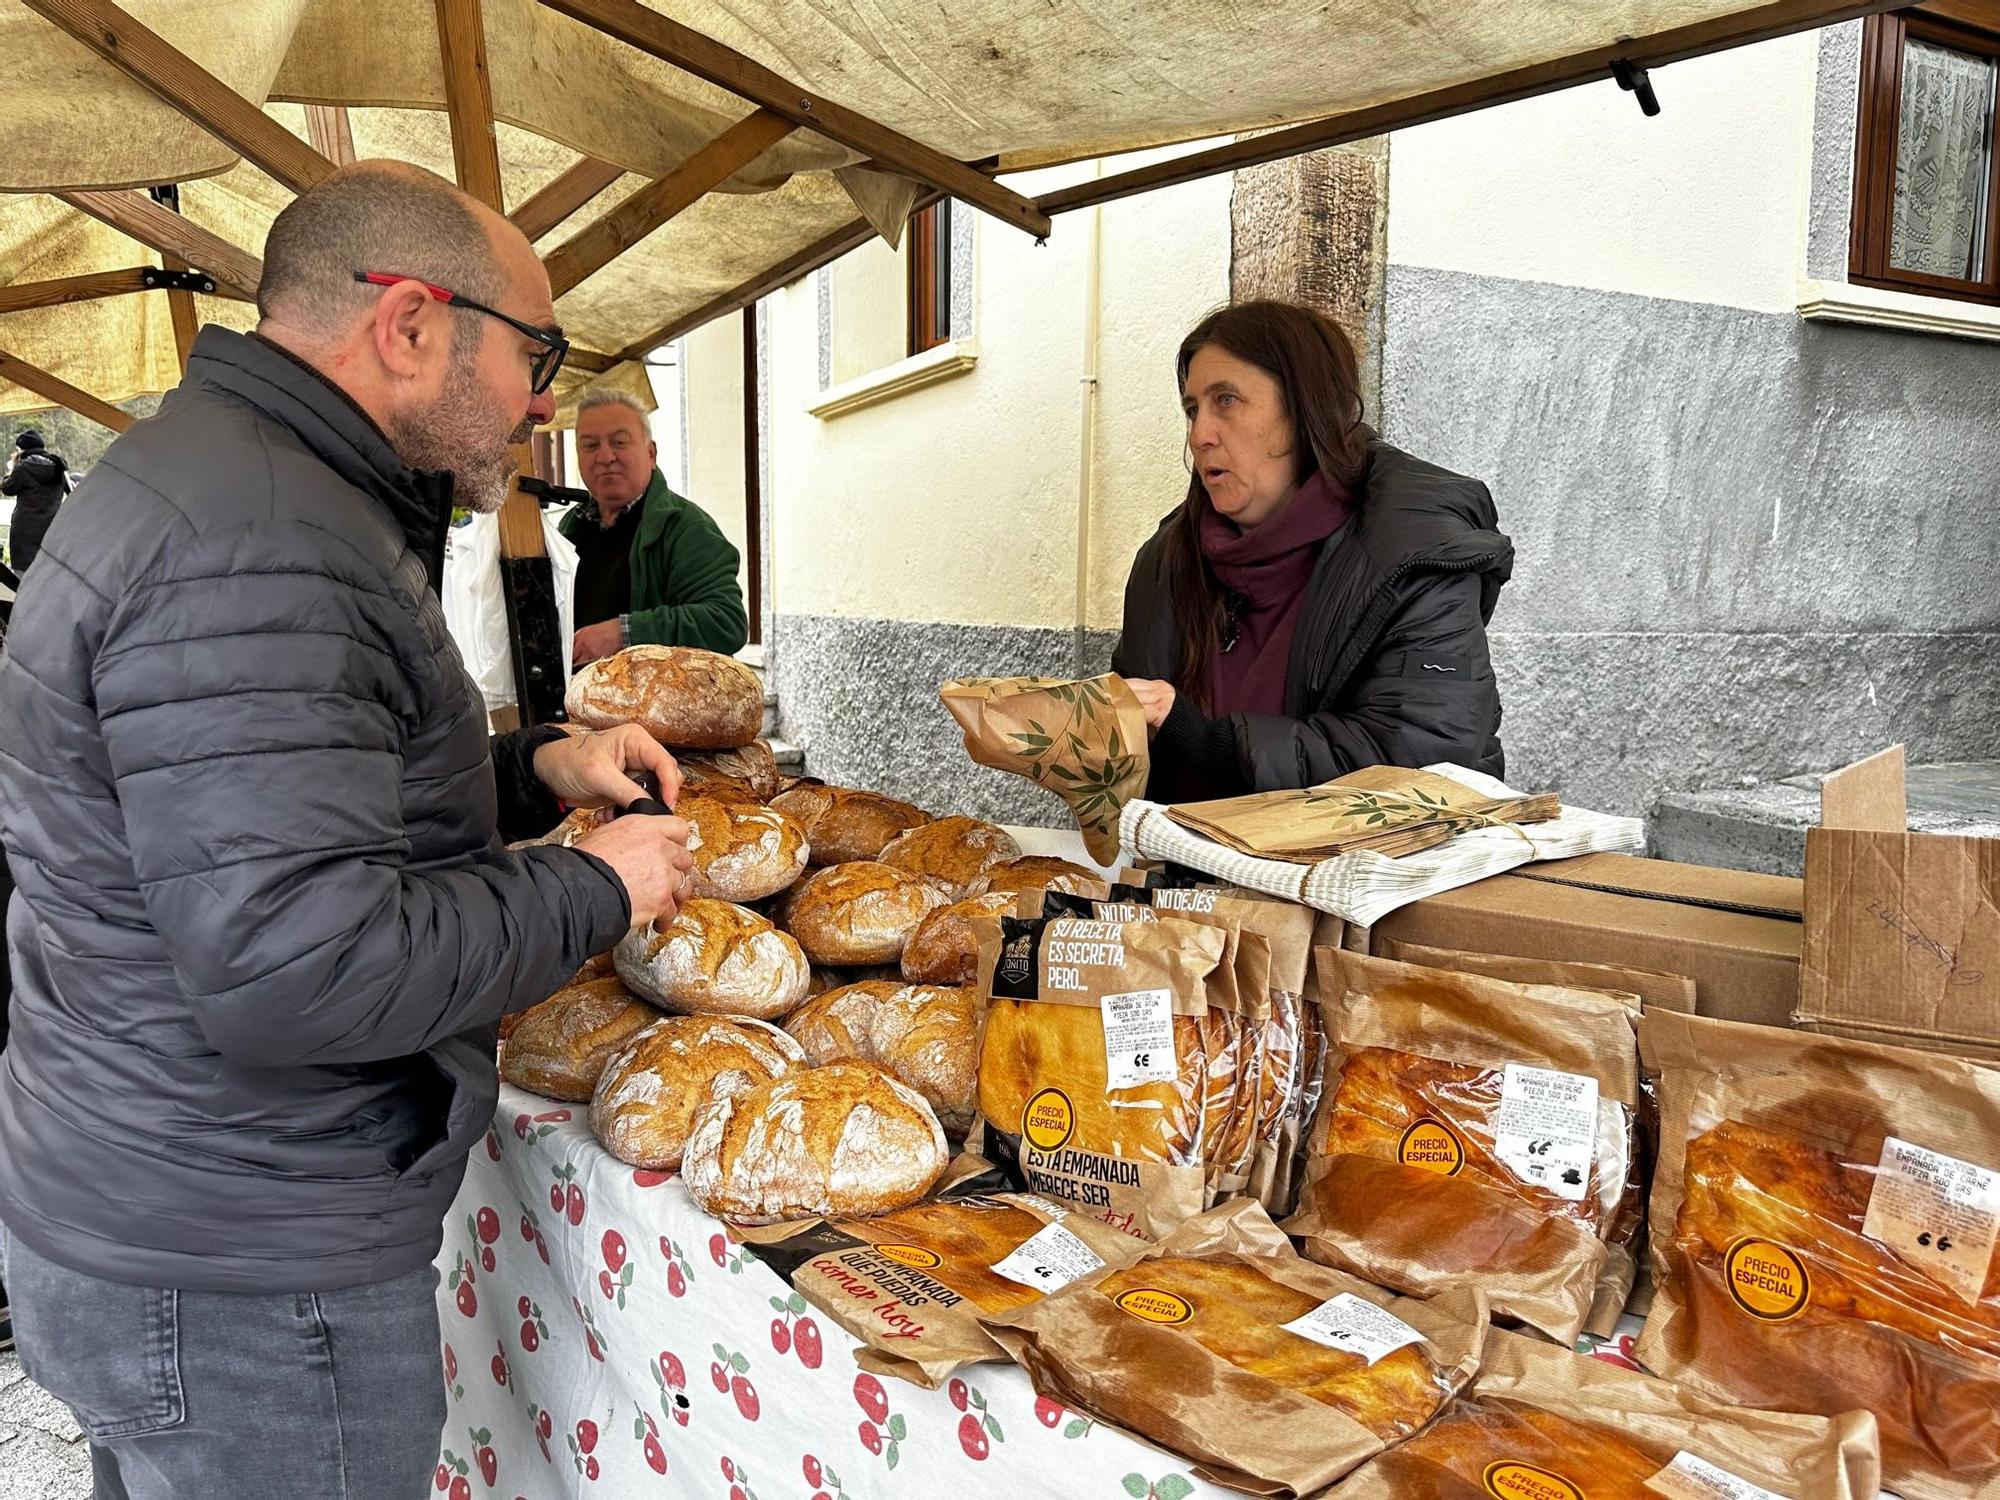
point(603, 1338)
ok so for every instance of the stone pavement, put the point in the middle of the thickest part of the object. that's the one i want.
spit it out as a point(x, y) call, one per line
point(42, 1454)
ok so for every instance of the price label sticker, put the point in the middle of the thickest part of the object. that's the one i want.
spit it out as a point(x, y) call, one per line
point(1692, 1478)
point(1139, 1038)
point(1547, 1131)
point(1940, 1214)
point(1049, 1258)
point(1356, 1325)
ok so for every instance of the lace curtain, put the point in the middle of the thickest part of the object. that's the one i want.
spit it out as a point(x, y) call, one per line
point(1943, 147)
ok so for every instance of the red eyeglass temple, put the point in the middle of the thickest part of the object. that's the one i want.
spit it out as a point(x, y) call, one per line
point(383, 278)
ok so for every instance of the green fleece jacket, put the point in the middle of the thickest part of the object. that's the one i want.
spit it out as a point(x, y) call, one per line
point(684, 590)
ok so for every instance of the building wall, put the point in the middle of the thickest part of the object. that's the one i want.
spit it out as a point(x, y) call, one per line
point(1747, 545)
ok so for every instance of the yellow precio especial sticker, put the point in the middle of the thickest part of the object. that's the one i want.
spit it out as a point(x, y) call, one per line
point(1047, 1120)
point(1154, 1305)
point(916, 1258)
point(1512, 1481)
point(1432, 1146)
point(1766, 1280)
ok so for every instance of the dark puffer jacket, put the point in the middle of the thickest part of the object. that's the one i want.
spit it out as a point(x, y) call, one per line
point(38, 484)
point(264, 926)
point(1388, 666)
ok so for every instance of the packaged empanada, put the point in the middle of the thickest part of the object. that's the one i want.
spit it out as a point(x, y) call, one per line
point(913, 1285)
point(1223, 1345)
point(1473, 1131)
point(1094, 1068)
point(1542, 1423)
point(1826, 1234)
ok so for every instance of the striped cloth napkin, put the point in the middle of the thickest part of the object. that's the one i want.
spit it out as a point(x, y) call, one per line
point(1363, 887)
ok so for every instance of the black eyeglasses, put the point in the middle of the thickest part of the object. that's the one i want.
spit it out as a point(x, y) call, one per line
point(542, 367)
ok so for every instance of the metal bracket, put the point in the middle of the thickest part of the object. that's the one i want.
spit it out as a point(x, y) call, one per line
point(1635, 81)
point(155, 279)
point(547, 494)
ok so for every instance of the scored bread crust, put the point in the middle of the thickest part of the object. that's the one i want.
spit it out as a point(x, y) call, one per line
point(743, 850)
point(682, 696)
point(650, 1092)
point(844, 1141)
point(559, 1048)
point(753, 767)
point(858, 913)
point(843, 824)
point(951, 853)
point(926, 1035)
point(1041, 872)
point(715, 958)
point(945, 947)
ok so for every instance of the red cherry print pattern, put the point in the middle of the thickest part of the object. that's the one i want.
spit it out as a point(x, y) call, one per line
point(679, 1272)
point(484, 1456)
point(545, 1428)
point(648, 1433)
point(977, 1429)
point(884, 1431)
point(972, 1437)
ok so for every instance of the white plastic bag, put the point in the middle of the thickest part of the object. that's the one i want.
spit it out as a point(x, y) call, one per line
point(475, 604)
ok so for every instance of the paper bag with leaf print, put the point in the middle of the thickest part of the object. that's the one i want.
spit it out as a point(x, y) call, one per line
point(1390, 809)
point(1083, 740)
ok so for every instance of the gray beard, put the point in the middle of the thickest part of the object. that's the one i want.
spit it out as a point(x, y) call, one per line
point(456, 436)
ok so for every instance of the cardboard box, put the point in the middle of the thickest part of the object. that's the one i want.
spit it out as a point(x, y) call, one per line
point(1736, 935)
point(1902, 930)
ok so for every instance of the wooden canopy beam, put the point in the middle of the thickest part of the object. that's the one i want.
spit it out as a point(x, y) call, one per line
point(1780, 18)
point(564, 196)
point(60, 391)
point(131, 212)
point(468, 98)
point(597, 245)
point(331, 134)
point(61, 289)
point(668, 40)
point(149, 59)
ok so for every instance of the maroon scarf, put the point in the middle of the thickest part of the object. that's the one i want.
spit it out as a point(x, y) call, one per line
point(1267, 568)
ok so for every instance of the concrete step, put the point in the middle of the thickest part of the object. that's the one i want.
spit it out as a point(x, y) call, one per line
point(1763, 827)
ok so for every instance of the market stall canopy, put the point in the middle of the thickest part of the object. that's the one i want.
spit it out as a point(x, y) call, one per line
point(674, 160)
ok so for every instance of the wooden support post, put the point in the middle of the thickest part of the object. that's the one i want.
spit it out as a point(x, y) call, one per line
point(468, 93)
point(236, 272)
point(564, 196)
point(659, 200)
point(60, 391)
point(753, 480)
point(148, 58)
point(655, 34)
point(180, 308)
point(331, 135)
point(54, 293)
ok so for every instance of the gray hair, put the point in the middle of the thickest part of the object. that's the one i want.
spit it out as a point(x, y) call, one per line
point(384, 216)
point(599, 395)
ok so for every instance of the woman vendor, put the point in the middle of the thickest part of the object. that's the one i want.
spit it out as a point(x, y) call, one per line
point(1319, 600)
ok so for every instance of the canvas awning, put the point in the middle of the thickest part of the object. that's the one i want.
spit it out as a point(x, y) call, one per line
point(780, 133)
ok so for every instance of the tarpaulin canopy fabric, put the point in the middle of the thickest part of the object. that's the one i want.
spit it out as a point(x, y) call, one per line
point(1014, 83)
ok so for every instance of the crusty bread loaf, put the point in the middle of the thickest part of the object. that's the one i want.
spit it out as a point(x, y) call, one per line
point(679, 695)
point(833, 1026)
point(599, 967)
point(926, 1036)
point(1042, 872)
point(751, 766)
point(559, 1047)
point(647, 1098)
point(743, 850)
point(859, 913)
point(844, 825)
point(715, 959)
point(842, 1141)
point(951, 853)
point(945, 947)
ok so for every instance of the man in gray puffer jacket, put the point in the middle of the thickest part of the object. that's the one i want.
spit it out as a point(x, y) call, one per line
point(265, 924)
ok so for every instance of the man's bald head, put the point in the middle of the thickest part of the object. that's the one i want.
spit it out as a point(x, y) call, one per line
point(374, 216)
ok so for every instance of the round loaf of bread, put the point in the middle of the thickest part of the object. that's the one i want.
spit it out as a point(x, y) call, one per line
point(599, 967)
point(715, 959)
point(751, 766)
point(843, 1141)
point(559, 1047)
point(743, 850)
point(833, 1026)
point(951, 853)
point(679, 695)
point(647, 1098)
point(859, 913)
point(1042, 872)
point(844, 825)
point(945, 947)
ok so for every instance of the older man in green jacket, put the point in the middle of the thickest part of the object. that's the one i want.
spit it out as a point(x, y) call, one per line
point(651, 568)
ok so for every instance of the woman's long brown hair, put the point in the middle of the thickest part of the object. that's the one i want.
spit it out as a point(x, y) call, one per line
point(1320, 381)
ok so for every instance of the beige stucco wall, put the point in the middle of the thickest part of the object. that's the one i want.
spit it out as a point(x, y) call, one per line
point(1705, 202)
point(713, 367)
point(958, 502)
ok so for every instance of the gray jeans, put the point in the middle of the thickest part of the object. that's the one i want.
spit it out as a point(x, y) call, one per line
point(190, 1395)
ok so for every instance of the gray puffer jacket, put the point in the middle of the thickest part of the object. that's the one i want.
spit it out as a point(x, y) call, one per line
point(265, 925)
